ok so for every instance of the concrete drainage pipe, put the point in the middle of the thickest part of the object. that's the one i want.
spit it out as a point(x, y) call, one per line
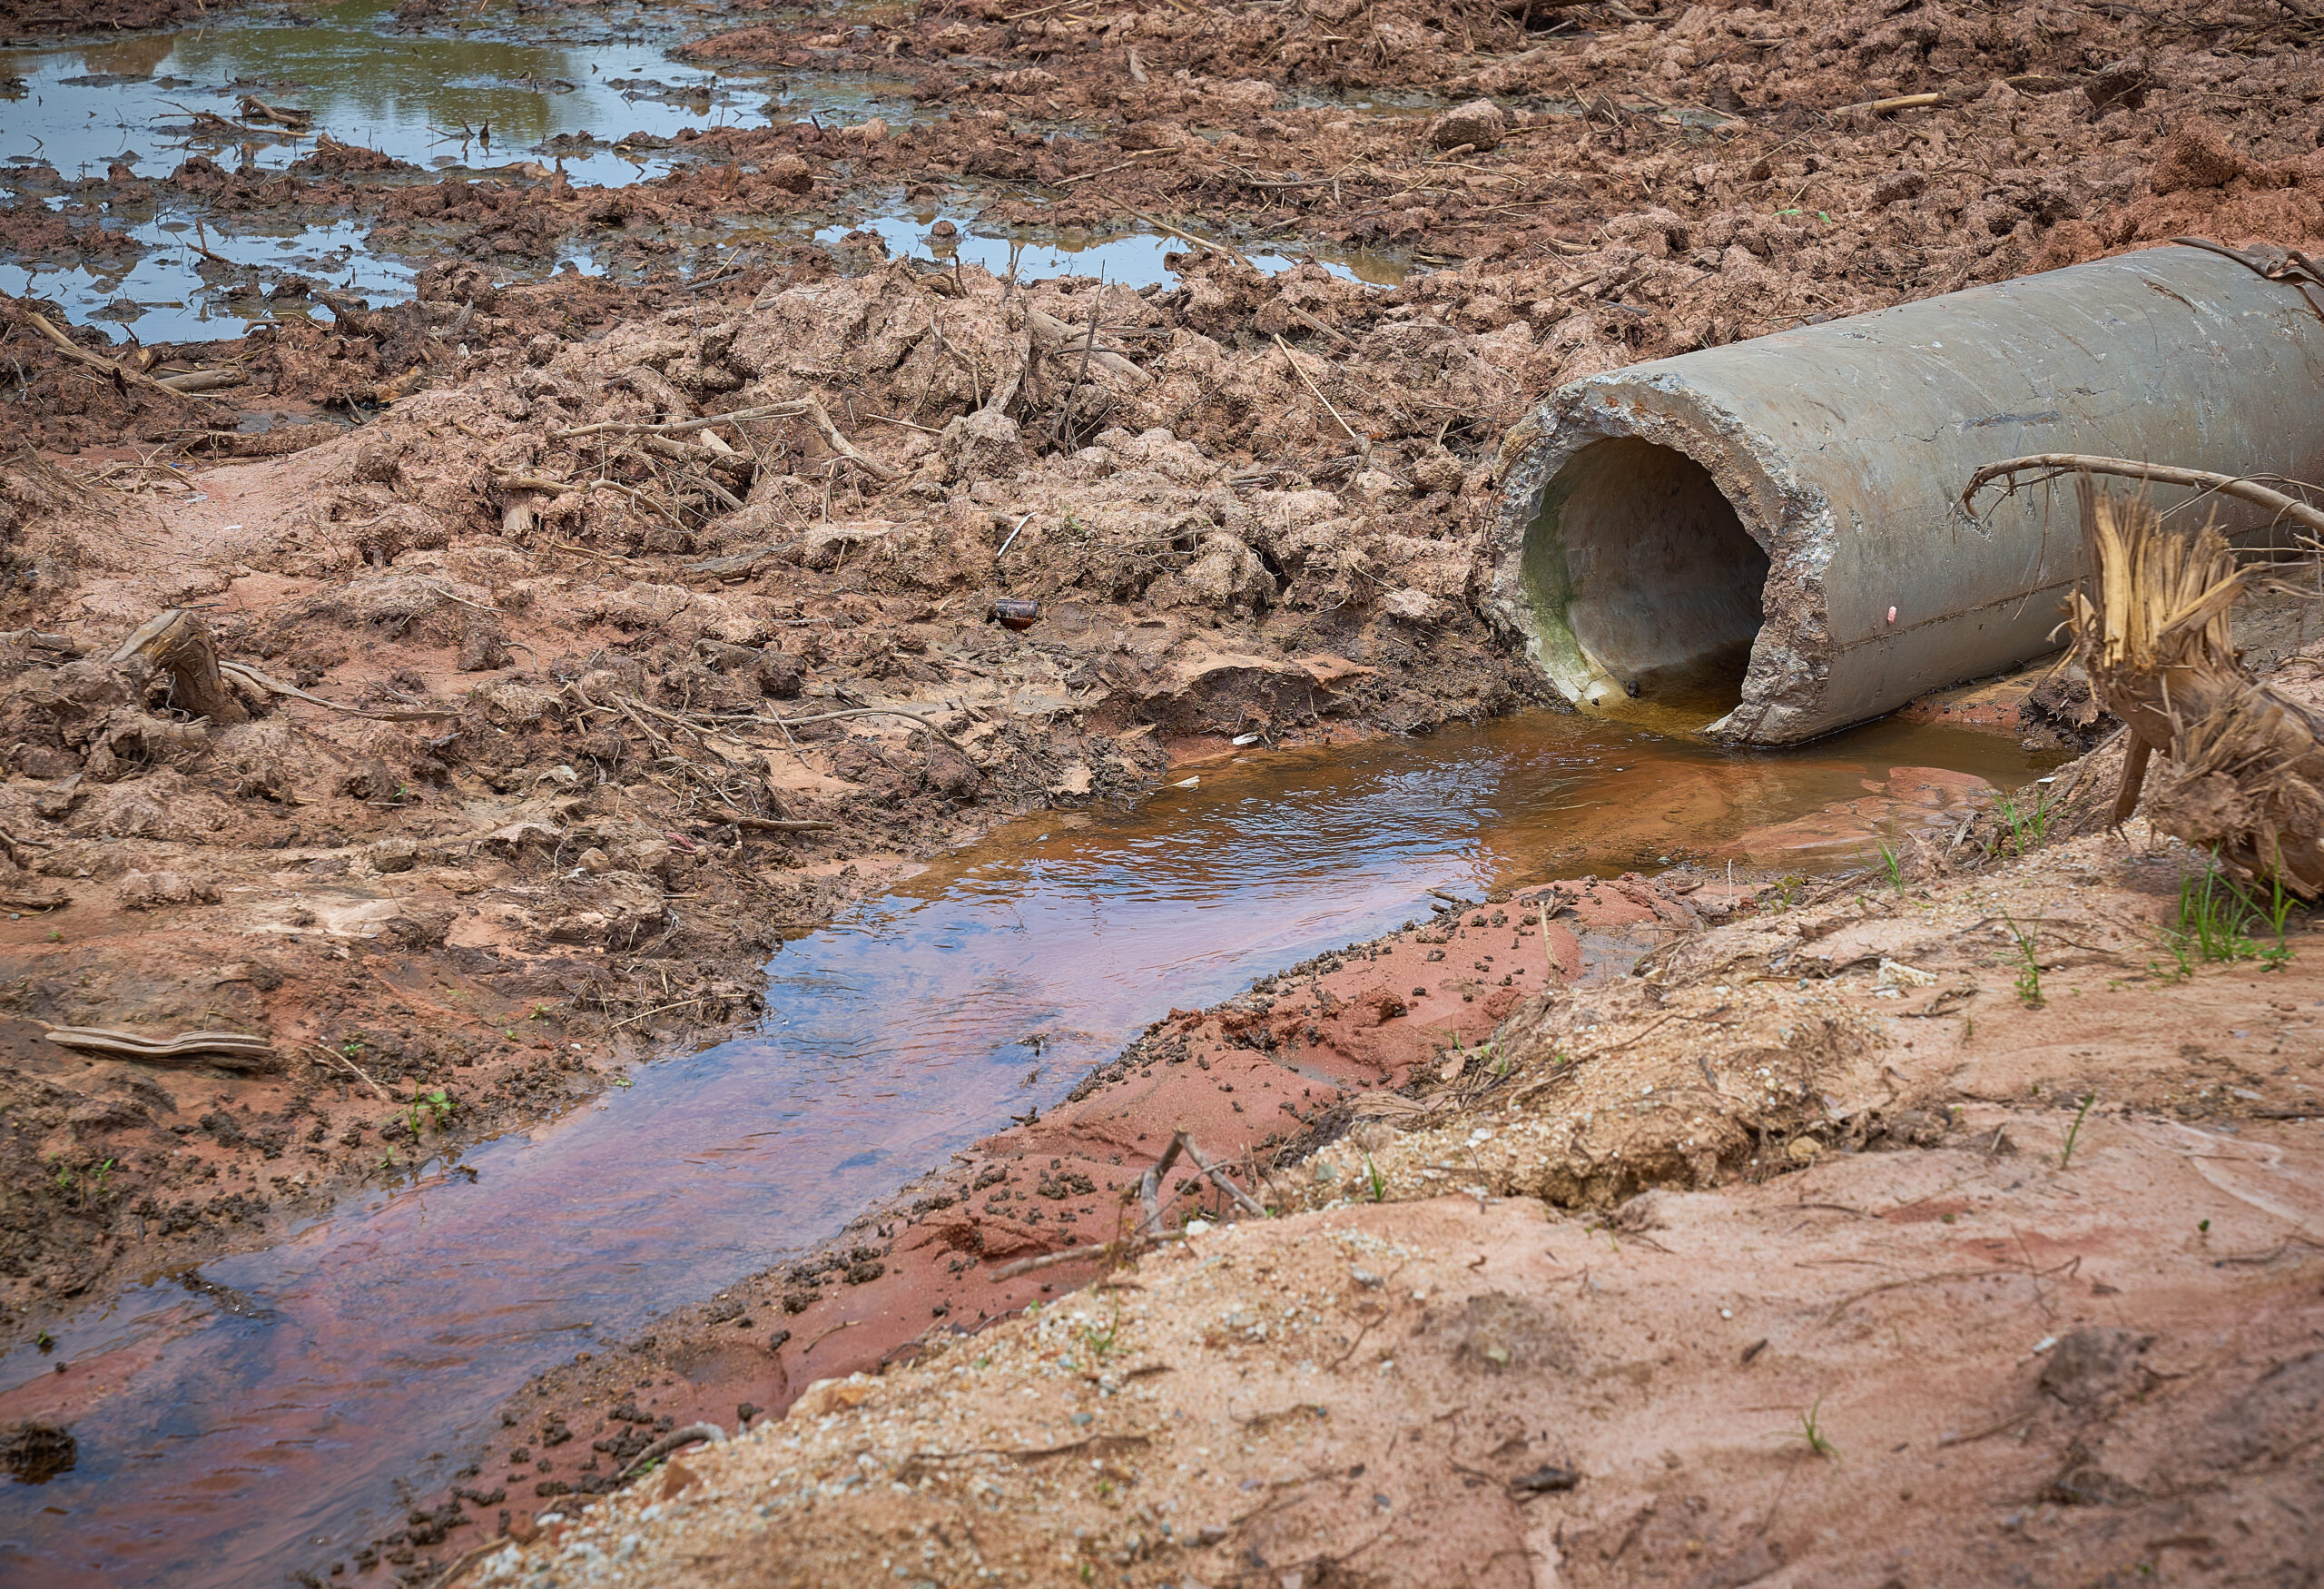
point(1770, 528)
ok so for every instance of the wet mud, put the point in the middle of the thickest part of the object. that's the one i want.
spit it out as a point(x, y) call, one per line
point(1937, 1210)
point(1003, 982)
point(570, 697)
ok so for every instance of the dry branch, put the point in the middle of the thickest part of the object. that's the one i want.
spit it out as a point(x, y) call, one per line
point(2241, 487)
point(806, 408)
point(228, 1051)
point(126, 376)
point(1219, 1178)
point(518, 482)
point(244, 674)
point(1105, 1249)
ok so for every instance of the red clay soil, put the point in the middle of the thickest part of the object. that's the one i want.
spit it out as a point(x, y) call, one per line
point(1821, 1249)
point(31, 19)
point(549, 685)
point(1254, 506)
point(1251, 1081)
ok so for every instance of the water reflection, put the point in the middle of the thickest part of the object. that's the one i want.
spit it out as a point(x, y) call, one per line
point(256, 1423)
point(461, 101)
point(1133, 256)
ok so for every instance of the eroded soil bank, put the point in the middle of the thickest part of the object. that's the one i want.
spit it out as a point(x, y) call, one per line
point(1999, 1244)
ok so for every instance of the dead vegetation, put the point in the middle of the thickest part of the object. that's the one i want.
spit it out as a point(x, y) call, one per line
point(2154, 632)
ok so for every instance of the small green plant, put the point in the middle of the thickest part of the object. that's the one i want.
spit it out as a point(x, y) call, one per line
point(1788, 889)
point(44, 1341)
point(540, 1012)
point(2028, 825)
point(433, 1107)
point(1894, 865)
point(2029, 981)
point(2277, 955)
point(2073, 1132)
point(1810, 1434)
point(1375, 1180)
point(83, 1186)
point(353, 1047)
point(1102, 1341)
point(2213, 914)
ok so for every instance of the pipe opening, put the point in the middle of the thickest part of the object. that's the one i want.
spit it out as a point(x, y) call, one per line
point(1643, 581)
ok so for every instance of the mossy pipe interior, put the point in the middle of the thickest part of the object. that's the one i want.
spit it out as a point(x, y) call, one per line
point(1776, 520)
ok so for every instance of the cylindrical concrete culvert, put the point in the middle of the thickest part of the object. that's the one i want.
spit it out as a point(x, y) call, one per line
point(1770, 528)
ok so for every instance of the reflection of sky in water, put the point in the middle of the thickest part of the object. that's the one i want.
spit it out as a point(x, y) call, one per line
point(85, 106)
point(280, 1403)
point(171, 294)
point(409, 96)
point(1134, 258)
point(161, 295)
point(449, 100)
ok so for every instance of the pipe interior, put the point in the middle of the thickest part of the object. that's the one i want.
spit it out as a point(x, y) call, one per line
point(1640, 559)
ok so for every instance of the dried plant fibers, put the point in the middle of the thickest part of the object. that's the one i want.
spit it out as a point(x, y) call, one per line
point(2153, 629)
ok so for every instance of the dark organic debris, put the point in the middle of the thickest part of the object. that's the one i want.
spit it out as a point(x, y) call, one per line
point(34, 1453)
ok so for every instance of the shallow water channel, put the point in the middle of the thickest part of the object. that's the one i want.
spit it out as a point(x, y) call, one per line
point(254, 1417)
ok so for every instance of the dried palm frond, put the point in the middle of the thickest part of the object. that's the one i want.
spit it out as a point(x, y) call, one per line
point(2163, 600)
point(2154, 628)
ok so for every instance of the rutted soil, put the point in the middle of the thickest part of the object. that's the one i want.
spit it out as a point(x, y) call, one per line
point(36, 18)
point(600, 747)
point(585, 720)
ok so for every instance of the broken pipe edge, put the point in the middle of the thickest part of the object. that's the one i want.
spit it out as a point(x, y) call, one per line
point(1841, 451)
point(1785, 519)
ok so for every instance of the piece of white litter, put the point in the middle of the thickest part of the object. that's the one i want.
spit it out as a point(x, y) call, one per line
point(1187, 783)
point(1245, 739)
point(1197, 1227)
point(2045, 1343)
point(1896, 973)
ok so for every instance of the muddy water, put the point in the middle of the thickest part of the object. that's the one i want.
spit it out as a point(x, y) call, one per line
point(1129, 256)
point(601, 100)
point(598, 99)
point(253, 1418)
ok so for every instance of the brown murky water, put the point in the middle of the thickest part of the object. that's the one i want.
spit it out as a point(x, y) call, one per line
point(253, 1418)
